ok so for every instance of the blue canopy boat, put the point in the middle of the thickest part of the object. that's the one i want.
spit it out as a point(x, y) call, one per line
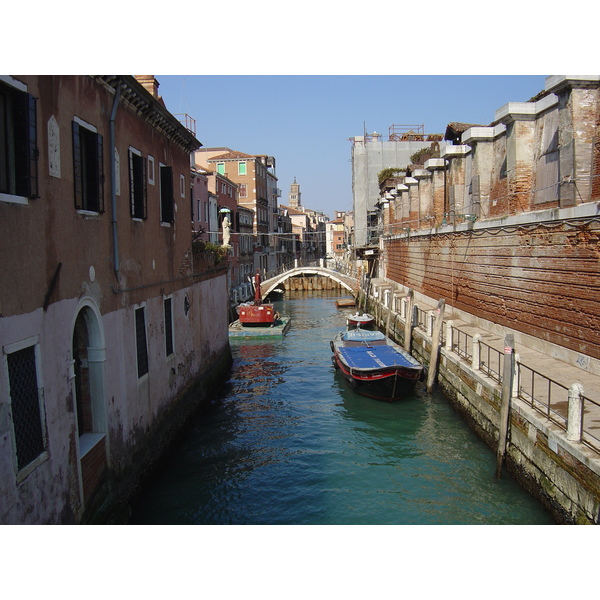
point(374, 365)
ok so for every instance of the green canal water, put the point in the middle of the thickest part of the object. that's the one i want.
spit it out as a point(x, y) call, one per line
point(287, 443)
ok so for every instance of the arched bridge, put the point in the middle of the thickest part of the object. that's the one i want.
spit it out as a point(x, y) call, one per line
point(346, 281)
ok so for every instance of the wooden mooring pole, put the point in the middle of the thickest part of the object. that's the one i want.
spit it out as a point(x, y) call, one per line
point(435, 344)
point(507, 382)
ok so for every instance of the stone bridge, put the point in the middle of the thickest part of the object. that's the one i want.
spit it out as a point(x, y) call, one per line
point(346, 281)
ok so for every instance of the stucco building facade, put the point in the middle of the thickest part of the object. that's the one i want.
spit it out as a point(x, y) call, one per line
point(107, 319)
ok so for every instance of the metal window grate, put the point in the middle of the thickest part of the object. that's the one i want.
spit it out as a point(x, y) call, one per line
point(25, 405)
point(140, 335)
point(168, 327)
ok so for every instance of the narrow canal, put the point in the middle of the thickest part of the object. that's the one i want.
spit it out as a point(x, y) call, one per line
point(288, 443)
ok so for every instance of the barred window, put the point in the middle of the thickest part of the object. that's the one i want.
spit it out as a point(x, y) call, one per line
point(25, 405)
point(169, 326)
point(140, 337)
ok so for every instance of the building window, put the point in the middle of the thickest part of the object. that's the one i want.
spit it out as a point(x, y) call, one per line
point(166, 194)
point(137, 185)
point(18, 144)
point(26, 406)
point(221, 168)
point(88, 171)
point(243, 190)
point(168, 326)
point(140, 339)
point(241, 168)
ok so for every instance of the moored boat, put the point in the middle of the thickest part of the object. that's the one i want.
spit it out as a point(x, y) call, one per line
point(256, 313)
point(374, 365)
point(358, 320)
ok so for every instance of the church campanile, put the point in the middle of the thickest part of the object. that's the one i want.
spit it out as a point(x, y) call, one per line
point(295, 201)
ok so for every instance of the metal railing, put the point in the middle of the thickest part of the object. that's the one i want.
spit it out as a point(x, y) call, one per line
point(421, 318)
point(587, 418)
point(462, 343)
point(491, 361)
point(566, 407)
point(543, 394)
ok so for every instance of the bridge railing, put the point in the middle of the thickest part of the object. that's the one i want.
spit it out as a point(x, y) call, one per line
point(338, 266)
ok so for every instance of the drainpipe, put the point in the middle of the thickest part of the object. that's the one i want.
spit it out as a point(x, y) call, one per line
point(113, 181)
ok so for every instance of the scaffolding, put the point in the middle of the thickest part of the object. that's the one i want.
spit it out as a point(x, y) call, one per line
point(400, 133)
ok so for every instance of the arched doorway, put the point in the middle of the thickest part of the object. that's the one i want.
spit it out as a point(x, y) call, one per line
point(89, 355)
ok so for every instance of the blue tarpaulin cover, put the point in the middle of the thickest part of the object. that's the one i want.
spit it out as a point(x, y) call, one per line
point(375, 357)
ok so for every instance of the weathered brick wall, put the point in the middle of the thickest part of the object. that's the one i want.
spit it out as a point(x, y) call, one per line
point(595, 186)
point(539, 279)
point(93, 467)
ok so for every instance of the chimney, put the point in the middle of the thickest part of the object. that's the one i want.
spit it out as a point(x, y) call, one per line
point(150, 83)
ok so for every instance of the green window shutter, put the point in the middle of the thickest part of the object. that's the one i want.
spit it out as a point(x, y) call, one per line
point(33, 149)
point(166, 194)
point(144, 189)
point(100, 163)
point(241, 168)
point(221, 168)
point(25, 145)
point(138, 189)
point(131, 185)
point(77, 167)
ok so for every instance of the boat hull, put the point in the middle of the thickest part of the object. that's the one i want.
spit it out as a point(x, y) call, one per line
point(374, 366)
point(261, 315)
point(365, 320)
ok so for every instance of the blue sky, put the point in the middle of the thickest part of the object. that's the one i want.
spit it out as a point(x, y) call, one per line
point(305, 121)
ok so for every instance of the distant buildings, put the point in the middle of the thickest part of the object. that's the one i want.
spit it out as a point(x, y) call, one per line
point(308, 227)
point(371, 154)
point(257, 191)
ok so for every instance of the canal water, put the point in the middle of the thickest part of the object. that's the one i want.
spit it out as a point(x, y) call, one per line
point(287, 442)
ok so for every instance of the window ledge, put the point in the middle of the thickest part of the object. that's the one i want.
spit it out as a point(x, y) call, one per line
point(87, 441)
point(14, 199)
point(34, 464)
point(88, 213)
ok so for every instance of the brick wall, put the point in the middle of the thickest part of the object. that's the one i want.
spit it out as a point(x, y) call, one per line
point(93, 466)
point(538, 279)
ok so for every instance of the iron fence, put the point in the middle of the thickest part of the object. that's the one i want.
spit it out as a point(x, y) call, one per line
point(491, 361)
point(421, 318)
point(543, 394)
point(588, 418)
point(462, 343)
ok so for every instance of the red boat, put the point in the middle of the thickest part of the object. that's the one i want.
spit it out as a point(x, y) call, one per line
point(256, 313)
point(357, 320)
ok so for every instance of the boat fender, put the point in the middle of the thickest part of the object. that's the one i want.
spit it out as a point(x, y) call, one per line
point(332, 346)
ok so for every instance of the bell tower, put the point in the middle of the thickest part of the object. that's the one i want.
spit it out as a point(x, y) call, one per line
point(295, 195)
